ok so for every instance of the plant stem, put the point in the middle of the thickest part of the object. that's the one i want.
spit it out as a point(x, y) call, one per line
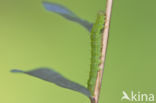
point(104, 47)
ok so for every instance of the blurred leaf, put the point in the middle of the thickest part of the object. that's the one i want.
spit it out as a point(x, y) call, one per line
point(66, 13)
point(54, 77)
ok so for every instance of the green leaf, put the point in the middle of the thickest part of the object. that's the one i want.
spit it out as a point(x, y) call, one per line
point(68, 14)
point(54, 77)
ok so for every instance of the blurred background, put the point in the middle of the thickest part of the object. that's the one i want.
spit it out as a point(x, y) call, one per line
point(32, 37)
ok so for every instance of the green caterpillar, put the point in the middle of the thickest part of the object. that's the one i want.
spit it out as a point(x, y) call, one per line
point(96, 45)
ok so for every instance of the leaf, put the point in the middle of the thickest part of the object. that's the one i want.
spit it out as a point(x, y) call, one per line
point(68, 14)
point(54, 77)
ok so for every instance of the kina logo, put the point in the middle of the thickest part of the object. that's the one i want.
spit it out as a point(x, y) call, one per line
point(137, 96)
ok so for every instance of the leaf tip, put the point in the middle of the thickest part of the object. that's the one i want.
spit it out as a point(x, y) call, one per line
point(16, 71)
